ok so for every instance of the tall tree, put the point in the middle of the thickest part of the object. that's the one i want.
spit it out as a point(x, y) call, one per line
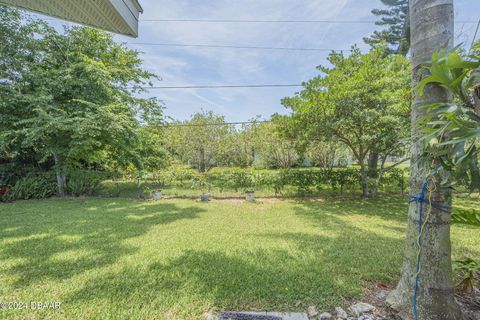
point(361, 101)
point(272, 150)
point(432, 28)
point(68, 97)
point(201, 141)
point(397, 33)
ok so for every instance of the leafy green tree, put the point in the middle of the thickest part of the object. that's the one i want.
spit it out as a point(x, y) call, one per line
point(361, 101)
point(327, 154)
point(206, 141)
point(272, 150)
point(397, 33)
point(242, 145)
point(70, 97)
point(201, 141)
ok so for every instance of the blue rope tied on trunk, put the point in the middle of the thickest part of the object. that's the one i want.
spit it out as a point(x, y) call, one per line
point(421, 199)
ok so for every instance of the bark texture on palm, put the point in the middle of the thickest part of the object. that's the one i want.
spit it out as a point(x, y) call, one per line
point(431, 29)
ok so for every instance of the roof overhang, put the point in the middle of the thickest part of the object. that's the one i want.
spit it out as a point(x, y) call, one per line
point(118, 16)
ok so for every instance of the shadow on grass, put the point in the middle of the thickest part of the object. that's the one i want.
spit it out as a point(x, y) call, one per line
point(330, 252)
point(273, 280)
point(391, 208)
point(91, 236)
point(310, 268)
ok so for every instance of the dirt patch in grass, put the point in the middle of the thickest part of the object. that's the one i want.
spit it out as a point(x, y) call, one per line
point(376, 295)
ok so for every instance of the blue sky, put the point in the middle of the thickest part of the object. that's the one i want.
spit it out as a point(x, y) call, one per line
point(180, 66)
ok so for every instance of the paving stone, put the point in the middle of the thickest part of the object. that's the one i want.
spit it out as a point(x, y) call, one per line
point(360, 308)
point(326, 316)
point(312, 311)
point(341, 314)
point(250, 315)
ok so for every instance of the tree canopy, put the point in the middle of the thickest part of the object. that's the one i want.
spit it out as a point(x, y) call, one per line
point(200, 141)
point(396, 20)
point(361, 100)
point(70, 98)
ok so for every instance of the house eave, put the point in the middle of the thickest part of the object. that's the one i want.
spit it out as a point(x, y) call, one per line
point(118, 16)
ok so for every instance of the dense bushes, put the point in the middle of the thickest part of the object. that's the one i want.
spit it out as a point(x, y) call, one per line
point(84, 183)
point(298, 181)
point(304, 181)
point(41, 185)
point(32, 186)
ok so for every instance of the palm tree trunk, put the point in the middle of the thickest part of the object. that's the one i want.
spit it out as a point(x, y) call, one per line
point(431, 29)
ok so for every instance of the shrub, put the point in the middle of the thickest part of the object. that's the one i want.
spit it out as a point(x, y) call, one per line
point(304, 181)
point(83, 182)
point(469, 272)
point(32, 186)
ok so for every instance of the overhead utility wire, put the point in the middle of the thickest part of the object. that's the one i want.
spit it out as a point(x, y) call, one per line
point(215, 124)
point(232, 46)
point(224, 86)
point(474, 36)
point(275, 21)
point(258, 21)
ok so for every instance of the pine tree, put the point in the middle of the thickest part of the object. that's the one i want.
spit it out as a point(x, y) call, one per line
point(397, 34)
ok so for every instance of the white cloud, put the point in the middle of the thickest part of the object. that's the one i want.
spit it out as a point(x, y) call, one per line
point(196, 66)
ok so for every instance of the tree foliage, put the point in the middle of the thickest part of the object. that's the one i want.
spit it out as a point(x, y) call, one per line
point(202, 141)
point(397, 33)
point(273, 150)
point(452, 130)
point(70, 98)
point(207, 141)
point(360, 101)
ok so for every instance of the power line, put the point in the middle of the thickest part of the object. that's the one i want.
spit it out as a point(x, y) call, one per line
point(233, 46)
point(274, 21)
point(257, 21)
point(475, 36)
point(224, 86)
point(215, 124)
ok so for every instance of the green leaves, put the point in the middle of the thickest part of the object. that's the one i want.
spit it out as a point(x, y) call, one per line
point(469, 270)
point(451, 132)
point(470, 217)
point(361, 100)
point(397, 35)
point(450, 69)
point(70, 94)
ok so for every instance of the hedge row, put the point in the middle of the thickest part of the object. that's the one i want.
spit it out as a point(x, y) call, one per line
point(304, 181)
point(39, 185)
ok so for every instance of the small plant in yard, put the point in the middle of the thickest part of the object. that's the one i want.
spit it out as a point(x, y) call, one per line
point(145, 191)
point(203, 182)
point(83, 182)
point(469, 271)
point(157, 194)
point(31, 187)
point(250, 195)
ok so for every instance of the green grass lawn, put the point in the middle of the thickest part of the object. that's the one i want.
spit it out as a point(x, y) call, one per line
point(175, 259)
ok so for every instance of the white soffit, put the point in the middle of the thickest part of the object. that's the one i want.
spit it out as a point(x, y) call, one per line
point(118, 16)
